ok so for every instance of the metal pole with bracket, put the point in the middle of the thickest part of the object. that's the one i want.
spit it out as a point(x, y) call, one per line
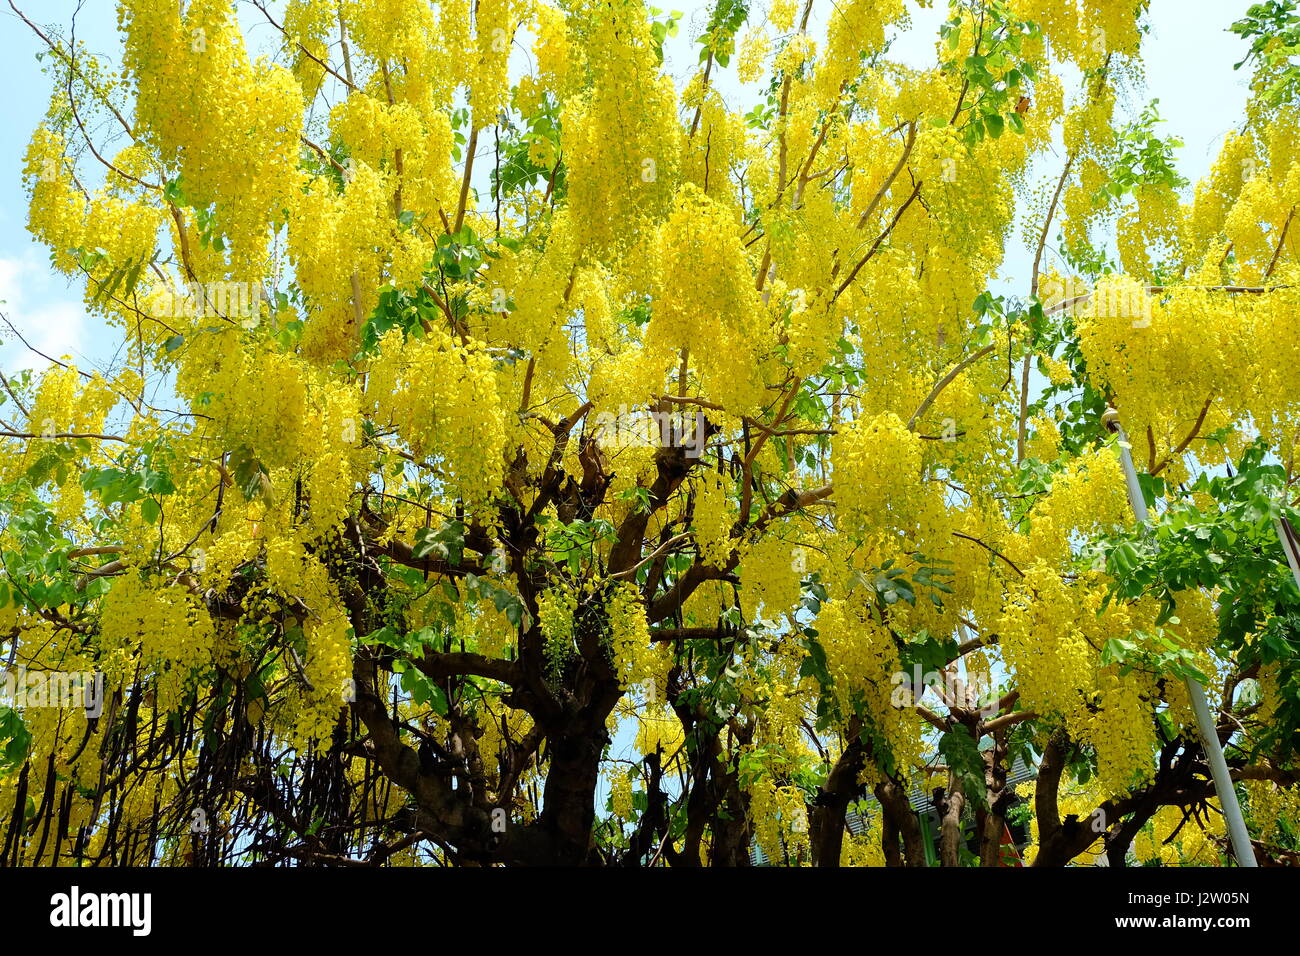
point(1209, 734)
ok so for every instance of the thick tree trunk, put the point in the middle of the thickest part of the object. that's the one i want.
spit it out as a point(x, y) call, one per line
point(899, 814)
point(826, 827)
point(1060, 842)
point(991, 822)
point(1119, 840)
point(950, 833)
point(889, 841)
point(569, 810)
point(731, 838)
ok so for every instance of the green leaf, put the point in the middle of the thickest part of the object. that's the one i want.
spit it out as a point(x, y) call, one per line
point(964, 759)
point(424, 691)
point(1117, 650)
point(250, 474)
point(150, 510)
point(447, 542)
point(14, 737)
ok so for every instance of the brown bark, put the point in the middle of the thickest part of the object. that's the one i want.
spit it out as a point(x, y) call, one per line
point(991, 821)
point(827, 821)
point(889, 841)
point(950, 833)
point(899, 814)
point(569, 811)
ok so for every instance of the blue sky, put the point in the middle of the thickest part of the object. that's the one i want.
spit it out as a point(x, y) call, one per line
point(37, 299)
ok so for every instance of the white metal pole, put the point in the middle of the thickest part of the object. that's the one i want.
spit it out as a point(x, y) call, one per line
point(1223, 786)
point(1291, 547)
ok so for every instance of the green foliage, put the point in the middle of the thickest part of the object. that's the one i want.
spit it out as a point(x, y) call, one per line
point(398, 308)
point(516, 169)
point(122, 277)
point(1232, 550)
point(660, 30)
point(719, 38)
point(1143, 159)
point(148, 483)
point(1077, 404)
point(1153, 652)
point(331, 168)
point(446, 542)
point(412, 646)
point(927, 652)
point(995, 75)
point(250, 474)
point(15, 739)
point(966, 762)
point(36, 571)
point(572, 544)
point(461, 255)
point(891, 583)
point(1273, 29)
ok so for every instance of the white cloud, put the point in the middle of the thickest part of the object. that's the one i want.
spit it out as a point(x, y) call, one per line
point(48, 320)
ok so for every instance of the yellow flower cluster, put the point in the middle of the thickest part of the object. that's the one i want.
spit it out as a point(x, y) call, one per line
point(629, 635)
point(555, 609)
point(1218, 191)
point(231, 126)
point(1088, 495)
point(856, 30)
point(1051, 636)
point(620, 794)
point(489, 85)
point(173, 634)
point(552, 49)
point(536, 282)
point(781, 13)
point(877, 463)
point(328, 668)
point(1086, 31)
point(336, 425)
point(865, 848)
point(1270, 804)
point(772, 576)
point(341, 244)
point(256, 398)
point(1149, 231)
point(442, 398)
point(1039, 633)
point(780, 818)
point(621, 137)
point(658, 729)
point(1168, 840)
point(1180, 367)
point(755, 46)
point(64, 404)
point(1122, 732)
point(863, 663)
point(706, 303)
point(56, 209)
point(307, 26)
point(713, 519)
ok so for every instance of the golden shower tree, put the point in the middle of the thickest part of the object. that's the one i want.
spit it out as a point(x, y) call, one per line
point(513, 456)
